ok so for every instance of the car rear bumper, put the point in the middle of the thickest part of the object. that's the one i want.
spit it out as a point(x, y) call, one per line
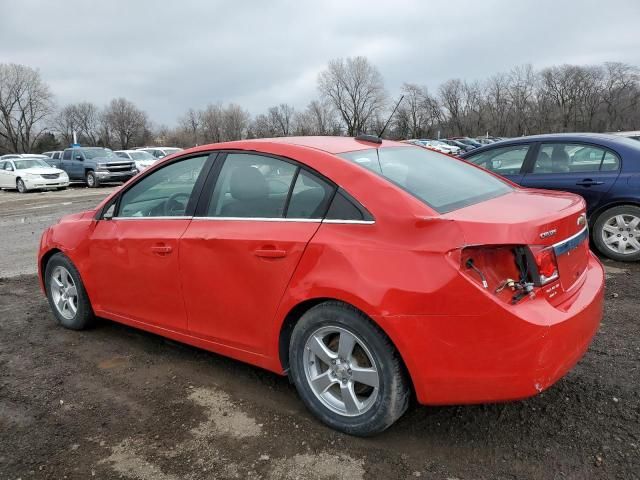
point(509, 353)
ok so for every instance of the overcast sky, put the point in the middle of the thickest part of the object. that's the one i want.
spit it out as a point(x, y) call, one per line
point(167, 56)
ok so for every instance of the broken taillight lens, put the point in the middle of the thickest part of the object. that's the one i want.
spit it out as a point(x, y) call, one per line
point(545, 258)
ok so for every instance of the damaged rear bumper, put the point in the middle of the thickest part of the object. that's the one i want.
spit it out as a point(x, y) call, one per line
point(509, 352)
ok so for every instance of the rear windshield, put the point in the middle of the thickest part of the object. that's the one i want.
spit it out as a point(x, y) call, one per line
point(442, 182)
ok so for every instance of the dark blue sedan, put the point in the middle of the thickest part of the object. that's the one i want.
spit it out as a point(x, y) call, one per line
point(604, 169)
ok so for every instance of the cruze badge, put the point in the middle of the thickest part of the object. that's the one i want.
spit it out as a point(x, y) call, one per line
point(548, 233)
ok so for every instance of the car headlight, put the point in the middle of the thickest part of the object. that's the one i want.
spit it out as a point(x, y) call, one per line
point(32, 176)
point(63, 174)
point(101, 165)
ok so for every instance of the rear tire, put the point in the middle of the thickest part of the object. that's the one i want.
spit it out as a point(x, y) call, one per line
point(354, 381)
point(20, 186)
point(92, 179)
point(616, 233)
point(66, 294)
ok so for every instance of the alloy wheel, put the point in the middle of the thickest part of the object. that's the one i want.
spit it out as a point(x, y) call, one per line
point(621, 234)
point(64, 292)
point(341, 371)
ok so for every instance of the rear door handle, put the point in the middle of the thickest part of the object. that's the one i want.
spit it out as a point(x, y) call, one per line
point(270, 253)
point(587, 182)
point(161, 249)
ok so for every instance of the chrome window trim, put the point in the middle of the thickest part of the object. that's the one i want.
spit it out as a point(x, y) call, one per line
point(163, 217)
point(263, 219)
point(349, 222)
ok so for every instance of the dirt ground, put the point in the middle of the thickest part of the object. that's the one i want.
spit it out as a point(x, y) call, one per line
point(114, 402)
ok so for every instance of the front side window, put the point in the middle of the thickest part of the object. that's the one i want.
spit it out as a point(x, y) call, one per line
point(252, 186)
point(442, 182)
point(66, 155)
point(573, 158)
point(163, 193)
point(503, 161)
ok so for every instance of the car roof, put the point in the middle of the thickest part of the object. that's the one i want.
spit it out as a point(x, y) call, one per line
point(612, 141)
point(333, 145)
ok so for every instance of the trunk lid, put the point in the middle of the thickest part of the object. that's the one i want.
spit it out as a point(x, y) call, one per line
point(534, 218)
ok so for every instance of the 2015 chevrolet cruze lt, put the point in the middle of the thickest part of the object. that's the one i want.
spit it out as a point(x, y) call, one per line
point(369, 271)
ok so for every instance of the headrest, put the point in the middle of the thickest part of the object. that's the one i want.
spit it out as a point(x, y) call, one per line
point(247, 183)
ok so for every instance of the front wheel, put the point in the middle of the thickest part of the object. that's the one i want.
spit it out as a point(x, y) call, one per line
point(616, 233)
point(66, 294)
point(91, 179)
point(347, 371)
point(20, 186)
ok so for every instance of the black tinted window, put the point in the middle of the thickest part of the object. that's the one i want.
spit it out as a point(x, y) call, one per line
point(310, 196)
point(505, 160)
point(66, 155)
point(344, 208)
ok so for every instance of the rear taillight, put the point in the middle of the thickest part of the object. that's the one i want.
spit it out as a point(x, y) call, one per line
point(546, 263)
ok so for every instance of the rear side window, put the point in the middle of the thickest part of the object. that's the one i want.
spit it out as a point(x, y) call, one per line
point(343, 207)
point(574, 158)
point(442, 182)
point(252, 186)
point(503, 161)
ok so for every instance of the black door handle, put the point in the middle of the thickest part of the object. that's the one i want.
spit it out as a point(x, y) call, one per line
point(587, 182)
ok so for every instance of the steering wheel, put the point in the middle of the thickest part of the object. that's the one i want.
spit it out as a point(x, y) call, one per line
point(173, 206)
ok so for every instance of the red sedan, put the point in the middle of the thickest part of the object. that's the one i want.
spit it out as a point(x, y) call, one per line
point(369, 271)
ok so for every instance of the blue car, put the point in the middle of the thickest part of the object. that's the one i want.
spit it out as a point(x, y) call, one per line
point(604, 169)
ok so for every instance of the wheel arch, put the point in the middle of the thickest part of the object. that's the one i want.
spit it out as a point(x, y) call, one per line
point(297, 311)
point(44, 259)
point(593, 218)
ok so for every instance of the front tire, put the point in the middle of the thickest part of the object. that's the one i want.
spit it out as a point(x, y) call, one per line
point(616, 233)
point(347, 371)
point(20, 186)
point(92, 179)
point(66, 294)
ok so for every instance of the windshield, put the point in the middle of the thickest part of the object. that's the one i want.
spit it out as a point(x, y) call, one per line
point(98, 153)
point(171, 151)
point(442, 182)
point(30, 163)
point(141, 155)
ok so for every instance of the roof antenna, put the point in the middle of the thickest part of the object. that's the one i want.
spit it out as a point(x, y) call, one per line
point(390, 117)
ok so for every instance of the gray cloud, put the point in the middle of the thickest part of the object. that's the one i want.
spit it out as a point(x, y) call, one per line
point(168, 56)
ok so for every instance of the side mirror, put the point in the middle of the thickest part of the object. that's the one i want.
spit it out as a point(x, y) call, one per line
point(79, 157)
point(108, 215)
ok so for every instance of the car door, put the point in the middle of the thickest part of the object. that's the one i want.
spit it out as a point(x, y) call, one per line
point(507, 161)
point(585, 169)
point(67, 164)
point(134, 255)
point(9, 176)
point(244, 243)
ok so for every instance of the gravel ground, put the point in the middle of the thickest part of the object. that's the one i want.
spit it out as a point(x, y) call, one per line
point(114, 402)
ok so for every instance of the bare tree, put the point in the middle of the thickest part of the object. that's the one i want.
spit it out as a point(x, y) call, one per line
point(125, 124)
point(190, 123)
point(211, 123)
point(451, 95)
point(235, 122)
point(25, 103)
point(355, 89)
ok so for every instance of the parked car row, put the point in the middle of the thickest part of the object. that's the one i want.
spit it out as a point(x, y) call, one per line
point(91, 165)
point(454, 145)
